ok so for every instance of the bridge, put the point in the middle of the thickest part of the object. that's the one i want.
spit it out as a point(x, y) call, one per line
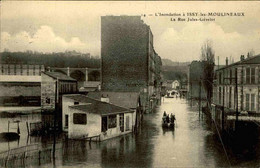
point(82, 75)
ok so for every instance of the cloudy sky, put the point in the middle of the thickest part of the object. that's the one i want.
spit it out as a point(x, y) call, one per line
point(60, 26)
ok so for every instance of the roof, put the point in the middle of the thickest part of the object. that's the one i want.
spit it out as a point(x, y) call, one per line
point(59, 75)
point(250, 60)
point(96, 106)
point(123, 99)
point(92, 84)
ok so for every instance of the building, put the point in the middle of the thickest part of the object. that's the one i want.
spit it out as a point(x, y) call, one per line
point(195, 76)
point(183, 88)
point(90, 86)
point(20, 84)
point(243, 74)
point(129, 62)
point(236, 95)
point(130, 100)
point(176, 84)
point(53, 86)
point(86, 117)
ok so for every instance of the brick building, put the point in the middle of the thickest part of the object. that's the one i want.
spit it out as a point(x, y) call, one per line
point(129, 62)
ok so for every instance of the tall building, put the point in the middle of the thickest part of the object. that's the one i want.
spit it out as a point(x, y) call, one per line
point(129, 61)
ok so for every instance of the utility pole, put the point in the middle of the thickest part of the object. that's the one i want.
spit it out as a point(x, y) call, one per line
point(223, 108)
point(218, 62)
point(191, 93)
point(55, 119)
point(236, 90)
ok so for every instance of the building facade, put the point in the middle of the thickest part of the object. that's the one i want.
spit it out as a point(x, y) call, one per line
point(128, 59)
point(20, 84)
point(245, 75)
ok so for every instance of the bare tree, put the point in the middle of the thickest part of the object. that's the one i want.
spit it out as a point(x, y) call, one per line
point(208, 59)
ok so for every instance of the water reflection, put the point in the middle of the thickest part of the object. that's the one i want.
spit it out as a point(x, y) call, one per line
point(191, 144)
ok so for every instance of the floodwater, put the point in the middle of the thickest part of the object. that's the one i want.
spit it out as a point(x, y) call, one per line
point(191, 144)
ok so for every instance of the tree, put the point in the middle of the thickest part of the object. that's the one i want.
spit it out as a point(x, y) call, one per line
point(208, 59)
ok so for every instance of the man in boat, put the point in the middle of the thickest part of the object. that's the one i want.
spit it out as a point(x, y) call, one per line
point(172, 118)
point(167, 118)
point(164, 117)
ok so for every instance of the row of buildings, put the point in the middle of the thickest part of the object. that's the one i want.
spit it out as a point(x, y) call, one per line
point(236, 92)
point(130, 85)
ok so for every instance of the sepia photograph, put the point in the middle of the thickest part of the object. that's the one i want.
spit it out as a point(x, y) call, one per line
point(103, 84)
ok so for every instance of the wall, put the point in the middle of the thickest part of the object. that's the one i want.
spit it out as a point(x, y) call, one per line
point(20, 93)
point(48, 90)
point(243, 88)
point(114, 132)
point(124, 53)
point(92, 128)
point(66, 102)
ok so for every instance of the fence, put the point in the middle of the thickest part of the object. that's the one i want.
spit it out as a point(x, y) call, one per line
point(19, 157)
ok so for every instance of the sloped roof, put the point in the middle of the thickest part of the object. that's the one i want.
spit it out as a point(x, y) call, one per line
point(122, 99)
point(59, 75)
point(92, 83)
point(250, 60)
point(96, 106)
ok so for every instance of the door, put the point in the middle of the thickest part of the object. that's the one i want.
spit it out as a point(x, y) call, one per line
point(66, 121)
point(104, 124)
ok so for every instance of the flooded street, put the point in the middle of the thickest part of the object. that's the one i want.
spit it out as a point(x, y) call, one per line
point(191, 144)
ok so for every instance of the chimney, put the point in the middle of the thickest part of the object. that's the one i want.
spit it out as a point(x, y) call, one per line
point(226, 61)
point(104, 99)
point(242, 57)
point(248, 55)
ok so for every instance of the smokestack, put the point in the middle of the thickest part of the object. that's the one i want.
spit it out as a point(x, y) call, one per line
point(226, 61)
point(242, 57)
point(248, 55)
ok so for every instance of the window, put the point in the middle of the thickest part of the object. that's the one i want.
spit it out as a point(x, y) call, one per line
point(76, 103)
point(127, 123)
point(230, 76)
point(79, 118)
point(66, 120)
point(242, 75)
point(220, 76)
point(112, 121)
point(242, 101)
point(230, 97)
point(47, 100)
point(121, 122)
point(252, 75)
point(247, 102)
point(252, 102)
point(247, 75)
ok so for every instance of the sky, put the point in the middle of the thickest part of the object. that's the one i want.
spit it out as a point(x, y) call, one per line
point(58, 26)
